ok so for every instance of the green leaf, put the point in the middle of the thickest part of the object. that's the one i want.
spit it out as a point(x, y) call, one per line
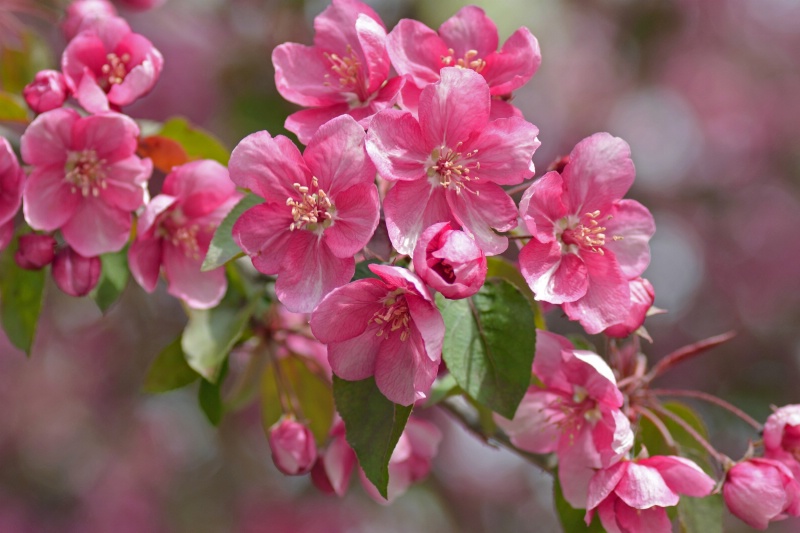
point(442, 388)
point(572, 520)
point(687, 446)
point(210, 400)
point(12, 109)
point(497, 267)
point(373, 426)
point(210, 335)
point(223, 248)
point(312, 392)
point(489, 343)
point(113, 279)
point(701, 515)
point(199, 144)
point(21, 295)
point(363, 271)
point(18, 66)
point(169, 370)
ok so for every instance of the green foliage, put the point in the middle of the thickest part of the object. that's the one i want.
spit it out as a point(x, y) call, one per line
point(113, 279)
point(572, 520)
point(489, 344)
point(18, 66)
point(309, 394)
point(373, 426)
point(701, 515)
point(12, 108)
point(498, 267)
point(21, 294)
point(198, 143)
point(686, 445)
point(363, 271)
point(223, 248)
point(441, 389)
point(169, 370)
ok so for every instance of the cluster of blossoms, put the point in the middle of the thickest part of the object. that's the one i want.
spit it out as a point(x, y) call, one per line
point(424, 155)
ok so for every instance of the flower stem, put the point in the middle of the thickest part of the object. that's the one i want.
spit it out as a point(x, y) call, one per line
point(659, 424)
point(710, 398)
point(680, 355)
point(721, 459)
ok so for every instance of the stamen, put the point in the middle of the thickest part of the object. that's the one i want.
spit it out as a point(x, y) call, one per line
point(394, 316)
point(85, 172)
point(347, 69)
point(447, 164)
point(114, 70)
point(470, 60)
point(311, 210)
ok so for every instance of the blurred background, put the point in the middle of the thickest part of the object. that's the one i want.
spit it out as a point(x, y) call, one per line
point(706, 93)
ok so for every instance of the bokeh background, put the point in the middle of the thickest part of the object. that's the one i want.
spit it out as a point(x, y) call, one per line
point(707, 94)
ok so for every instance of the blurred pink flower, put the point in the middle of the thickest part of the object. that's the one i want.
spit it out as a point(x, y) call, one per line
point(176, 228)
point(12, 181)
point(450, 163)
point(293, 449)
point(320, 209)
point(642, 298)
point(449, 261)
point(587, 242)
point(83, 14)
point(630, 496)
point(387, 327)
point(345, 71)
point(782, 437)
point(35, 251)
point(47, 91)
point(75, 274)
point(86, 179)
point(760, 491)
point(334, 467)
point(142, 5)
point(109, 66)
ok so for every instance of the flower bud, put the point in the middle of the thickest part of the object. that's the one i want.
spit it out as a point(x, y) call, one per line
point(35, 251)
point(759, 491)
point(74, 274)
point(450, 261)
point(642, 298)
point(47, 91)
point(293, 449)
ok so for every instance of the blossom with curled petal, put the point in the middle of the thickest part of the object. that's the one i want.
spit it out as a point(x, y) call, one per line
point(320, 208)
point(345, 72)
point(782, 437)
point(175, 230)
point(587, 241)
point(86, 179)
point(388, 328)
point(760, 491)
point(449, 261)
point(450, 163)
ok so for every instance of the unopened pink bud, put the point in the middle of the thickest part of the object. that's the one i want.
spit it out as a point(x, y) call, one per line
point(450, 261)
point(74, 274)
point(759, 491)
point(47, 91)
point(35, 251)
point(293, 449)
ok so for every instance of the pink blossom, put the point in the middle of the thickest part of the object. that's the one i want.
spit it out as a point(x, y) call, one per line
point(47, 91)
point(35, 251)
point(345, 72)
point(75, 274)
point(387, 327)
point(109, 66)
point(83, 14)
point(334, 467)
point(630, 496)
point(782, 437)
point(450, 163)
point(320, 209)
point(448, 260)
point(293, 449)
point(12, 181)
point(577, 414)
point(468, 40)
point(759, 491)
point(175, 230)
point(642, 298)
point(587, 241)
point(142, 5)
point(86, 179)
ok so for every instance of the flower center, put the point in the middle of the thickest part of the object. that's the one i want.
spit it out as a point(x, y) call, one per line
point(313, 210)
point(114, 70)
point(453, 168)
point(394, 316)
point(347, 69)
point(586, 233)
point(85, 172)
point(185, 238)
point(470, 60)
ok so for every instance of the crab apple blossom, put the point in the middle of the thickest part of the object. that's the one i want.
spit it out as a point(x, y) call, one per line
point(320, 208)
point(83, 14)
point(782, 437)
point(577, 414)
point(109, 66)
point(587, 241)
point(630, 496)
point(449, 261)
point(467, 40)
point(345, 72)
point(75, 274)
point(12, 182)
point(450, 163)
point(47, 91)
point(86, 179)
point(334, 466)
point(293, 449)
point(388, 328)
point(35, 251)
point(175, 230)
point(760, 491)
point(642, 298)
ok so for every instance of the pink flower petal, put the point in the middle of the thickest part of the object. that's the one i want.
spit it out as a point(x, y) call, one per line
point(608, 514)
point(337, 157)
point(410, 207)
point(48, 202)
point(111, 135)
point(201, 290)
point(536, 424)
point(755, 493)
point(335, 26)
point(430, 324)
point(306, 122)
point(591, 372)
point(372, 38)
point(339, 461)
point(681, 475)
point(402, 372)
point(300, 76)
point(470, 29)
point(416, 51)
point(541, 205)
point(354, 359)
point(643, 487)
point(144, 259)
point(652, 520)
point(97, 228)
point(395, 145)
point(125, 183)
point(552, 276)
point(357, 215)
point(607, 297)
point(548, 364)
point(453, 108)
point(633, 222)
point(512, 67)
point(201, 185)
point(578, 461)
point(75, 274)
point(263, 233)
point(89, 94)
point(485, 206)
point(268, 166)
point(358, 301)
point(48, 138)
point(505, 148)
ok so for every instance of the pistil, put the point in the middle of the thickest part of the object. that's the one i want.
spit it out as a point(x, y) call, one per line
point(85, 172)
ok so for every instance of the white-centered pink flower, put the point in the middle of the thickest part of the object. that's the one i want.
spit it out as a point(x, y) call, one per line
point(760, 491)
point(450, 163)
point(109, 66)
point(320, 209)
point(176, 228)
point(86, 179)
point(577, 414)
point(467, 40)
point(587, 241)
point(631, 496)
point(12, 182)
point(782, 437)
point(388, 328)
point(47, 91)
point(345, 72)
point(449, 261)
